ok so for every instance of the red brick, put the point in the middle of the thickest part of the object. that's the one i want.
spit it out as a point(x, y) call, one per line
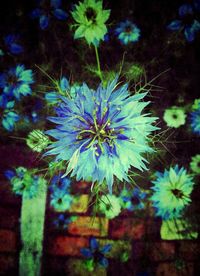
point(7, 196)
point(8, 265)
point(89, 226)
point(62, 246)
point(160, 251)
point(80, 204)
point(166, 269)
point(189, 250)
point(8, 242)
point(9, 218)
point(153, 228)
point(138, 250)
point(127, 228)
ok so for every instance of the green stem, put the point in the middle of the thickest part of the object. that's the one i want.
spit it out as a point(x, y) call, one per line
point(32, 231)
point(98, 63)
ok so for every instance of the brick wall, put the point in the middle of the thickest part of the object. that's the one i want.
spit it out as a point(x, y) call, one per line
point(140, 236)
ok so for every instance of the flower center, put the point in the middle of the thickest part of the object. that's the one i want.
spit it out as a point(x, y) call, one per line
point(97, 256)
point(177, 193)
point(91, 14)
point(174, 116)
point(128, 29)
point(59, 201)
point(135, 200)
point(12, 79)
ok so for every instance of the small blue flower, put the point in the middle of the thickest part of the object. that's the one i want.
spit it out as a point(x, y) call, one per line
point(9, 118)
point(186, 22)
point(63, 221)
point(45, 13)
point(133, 200)
point(60, 199)
point(127, 32)
point(60, 183)
point(95, 253)
point(16, 82)
point(103, 129)
point(9, 174)
point(12, 44)
point(195, 121)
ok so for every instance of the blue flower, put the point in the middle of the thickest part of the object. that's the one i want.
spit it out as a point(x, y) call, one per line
point(103, 129)
point(9, 119)
point(60, 199)
point(63, 221)
point(96, 254)
point(16, 82)
point(11, 42)
point(186, 22)
point(44, 14)
point(171, 192)
point(60, 183)
point(195, 120)
point(127, 32)
point(133, 200)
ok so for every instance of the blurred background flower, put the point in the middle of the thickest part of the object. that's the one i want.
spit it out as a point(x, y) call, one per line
point(127, 32)
point(171, 192)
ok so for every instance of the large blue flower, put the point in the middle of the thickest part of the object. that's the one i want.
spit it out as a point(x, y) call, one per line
point(127, 32)
point(16, 82)
point(172, 191)
point(195, 120)
point(186, 22)
point(101, 133)
point(44, 13)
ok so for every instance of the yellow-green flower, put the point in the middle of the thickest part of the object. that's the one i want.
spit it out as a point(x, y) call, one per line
point(196, 104)
point(174, 116)
point(195, 164)
point(90, 18)
point(37, 140)
point(110, 206)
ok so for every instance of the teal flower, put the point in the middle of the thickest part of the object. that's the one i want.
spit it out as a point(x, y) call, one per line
point(171, 192)
point(195, 164)
point(17, 82)
point(24, 182)
point(104, 129)
point(60, 198)
point(127, 32)
point(10, 117)
point(110, 206)
point(195, 120)
point(174, 117)
point(90, 21)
